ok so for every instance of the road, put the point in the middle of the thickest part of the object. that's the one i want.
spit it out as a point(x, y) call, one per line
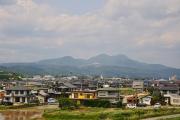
point(163, 117)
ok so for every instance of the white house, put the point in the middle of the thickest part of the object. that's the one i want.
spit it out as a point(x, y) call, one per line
point(172, 99)
point(145, 100)
point(18, 94)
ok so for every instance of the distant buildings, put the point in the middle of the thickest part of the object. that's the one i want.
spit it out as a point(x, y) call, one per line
point(42, 88)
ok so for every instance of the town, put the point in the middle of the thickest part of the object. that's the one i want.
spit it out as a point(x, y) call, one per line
point(132, 93)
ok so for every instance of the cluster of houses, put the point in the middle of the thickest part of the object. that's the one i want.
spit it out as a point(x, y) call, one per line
point(112, 89)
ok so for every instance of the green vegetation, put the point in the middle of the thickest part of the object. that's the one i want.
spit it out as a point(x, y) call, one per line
point(9, 76)
point(97, 103)
point(3, 107)
point(176, 118)
point(127, 91)
point(107, 113)
point(157, 97)
point(65, 103)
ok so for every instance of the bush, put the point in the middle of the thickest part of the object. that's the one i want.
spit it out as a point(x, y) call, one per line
point(119, 104)
point(66, 103)
point(97, 103)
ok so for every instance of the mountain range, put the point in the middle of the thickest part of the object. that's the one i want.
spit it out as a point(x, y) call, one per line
point(118, 65)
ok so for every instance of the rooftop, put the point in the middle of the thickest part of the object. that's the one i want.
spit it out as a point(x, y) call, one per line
point(107, 89)
point(169, 88)
point(18, 88)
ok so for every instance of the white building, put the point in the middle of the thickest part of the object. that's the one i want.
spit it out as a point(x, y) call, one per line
point(145, 100)
point(18, 94)
point(172, 99)
point(48, 77)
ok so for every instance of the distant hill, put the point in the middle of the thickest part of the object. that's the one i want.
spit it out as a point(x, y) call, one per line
point(119, 65)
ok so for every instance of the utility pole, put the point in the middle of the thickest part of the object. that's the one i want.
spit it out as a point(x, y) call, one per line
point(119, 91)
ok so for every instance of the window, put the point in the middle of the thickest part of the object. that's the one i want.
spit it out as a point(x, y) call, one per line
point(111, 93)
point(8, 92)
point(8, 99)
point(16, 92)
point(164, 92)
point(75, 95)
point(173, 91)
point(17, 99)
point(23, 99)
point(27, 92)
point(176, 100)
point(102, 93)
point(88, 95)
point(21, 92)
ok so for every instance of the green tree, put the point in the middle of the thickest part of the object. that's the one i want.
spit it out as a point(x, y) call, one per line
point(66, 103)
point(157, 97)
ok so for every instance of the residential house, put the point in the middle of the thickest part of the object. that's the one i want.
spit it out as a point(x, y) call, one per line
point(61, 90)
point(42, 97)
point(165, 90)
point(170, 90)
point(81, 85)
point(41, 94)
point(173, 99)
point(138, 86)
point(109, 93)
point(145, 100)
point(18, 94)
point(83, 95)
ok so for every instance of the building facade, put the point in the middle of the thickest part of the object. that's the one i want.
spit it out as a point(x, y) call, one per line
point(18, 94)
point(83, 95)
point(109, 93)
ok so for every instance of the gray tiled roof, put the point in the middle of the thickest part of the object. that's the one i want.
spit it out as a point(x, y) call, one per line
point(107, 89)
point(18, 88)
point(70, 85)
point(169, 88)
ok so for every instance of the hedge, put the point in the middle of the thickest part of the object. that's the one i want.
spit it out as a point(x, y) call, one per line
point(97, 103)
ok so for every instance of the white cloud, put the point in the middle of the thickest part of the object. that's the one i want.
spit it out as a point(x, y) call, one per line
point(121, 26)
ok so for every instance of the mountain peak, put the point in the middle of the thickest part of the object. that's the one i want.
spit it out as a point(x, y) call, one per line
point(122, 56)
point(101, 56)
point(106, 56)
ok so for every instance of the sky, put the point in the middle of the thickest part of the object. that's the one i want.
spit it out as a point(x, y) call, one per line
point(144, 30)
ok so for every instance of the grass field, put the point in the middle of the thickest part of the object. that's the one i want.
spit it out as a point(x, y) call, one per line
point(107, 114)
point(177, 118)
point(127, 91)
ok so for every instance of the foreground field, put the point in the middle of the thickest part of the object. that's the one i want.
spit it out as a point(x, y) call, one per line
point(176, 118)
point(107, 114)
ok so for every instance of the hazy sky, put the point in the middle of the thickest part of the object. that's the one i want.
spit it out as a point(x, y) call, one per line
point(145, 30)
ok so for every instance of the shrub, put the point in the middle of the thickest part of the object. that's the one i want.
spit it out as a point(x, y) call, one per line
point(66, 103)
point(119, 104)
point(97, 103)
